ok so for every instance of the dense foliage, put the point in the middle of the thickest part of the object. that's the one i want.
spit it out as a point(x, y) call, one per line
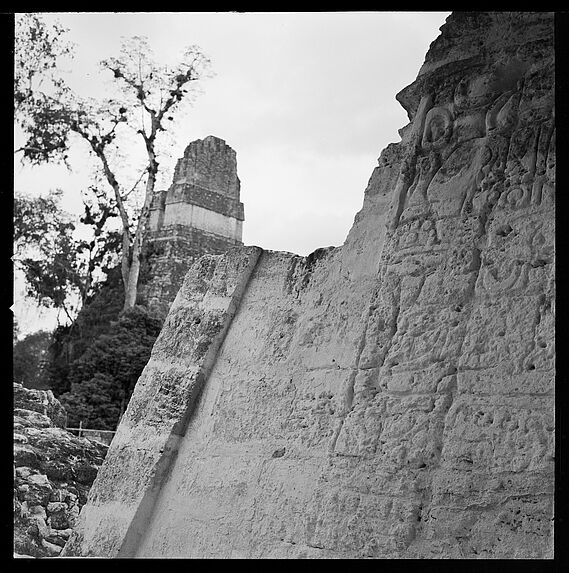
point(29, 362)
point(44, 249)
point(69, 342)
point(102, 379)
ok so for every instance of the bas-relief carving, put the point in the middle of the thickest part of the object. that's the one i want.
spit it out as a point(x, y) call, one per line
point(519, 256)
point(505, 279)
point(481, 109)
point(502, 116)
point(417, 235)
point(406, 174)
point(529, 179)
point(460, 318)
point(495, 182)
point(438, 129)
point(507, 170)
point(503, 436)
point(503, 172)
point(424, 338)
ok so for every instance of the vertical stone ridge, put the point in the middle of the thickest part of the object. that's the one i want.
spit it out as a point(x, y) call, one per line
point(360, 360)
point(128, 484)
point(407, 171)
point(141, 522)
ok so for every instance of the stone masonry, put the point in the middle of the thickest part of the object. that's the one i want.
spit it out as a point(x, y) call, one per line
point(199, 214)
point(53, 472)
point(390, 398)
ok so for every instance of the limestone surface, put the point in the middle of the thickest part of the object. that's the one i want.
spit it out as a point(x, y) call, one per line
point(390, 398)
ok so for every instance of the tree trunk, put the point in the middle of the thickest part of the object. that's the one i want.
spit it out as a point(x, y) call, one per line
point(125, 255)
point(131, 290)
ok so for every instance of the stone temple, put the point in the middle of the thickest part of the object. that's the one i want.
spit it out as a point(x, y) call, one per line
point(389, 398)
point(201, 213)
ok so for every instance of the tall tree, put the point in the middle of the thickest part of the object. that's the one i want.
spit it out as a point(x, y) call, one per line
point(151, 93)
point(154, 92)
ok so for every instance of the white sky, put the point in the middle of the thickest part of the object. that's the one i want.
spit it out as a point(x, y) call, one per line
point(307, 100)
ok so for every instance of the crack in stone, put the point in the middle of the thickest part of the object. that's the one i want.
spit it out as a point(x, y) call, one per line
point(349, 391)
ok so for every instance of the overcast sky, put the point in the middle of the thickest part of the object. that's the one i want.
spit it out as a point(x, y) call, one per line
point(307, 100)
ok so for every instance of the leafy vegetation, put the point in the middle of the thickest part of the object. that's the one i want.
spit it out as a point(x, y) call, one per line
point(102, 379)
point(61, 269)
point(30, 357)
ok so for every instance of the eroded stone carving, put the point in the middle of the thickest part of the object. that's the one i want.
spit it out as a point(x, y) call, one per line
point(407, 377)
point(438, 128)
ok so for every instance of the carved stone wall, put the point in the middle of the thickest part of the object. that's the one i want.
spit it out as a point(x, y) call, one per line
point(391, 398)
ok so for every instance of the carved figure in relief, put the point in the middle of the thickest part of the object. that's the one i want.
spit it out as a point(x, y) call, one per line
point(483, 105)
point(417, 205)
point(438, 128)
point(502, 116)
point(408, 166)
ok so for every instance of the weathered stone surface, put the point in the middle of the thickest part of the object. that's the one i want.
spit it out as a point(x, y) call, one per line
point(42, 401)
point(53, 471)
point(391, 398)
point(157, 417)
